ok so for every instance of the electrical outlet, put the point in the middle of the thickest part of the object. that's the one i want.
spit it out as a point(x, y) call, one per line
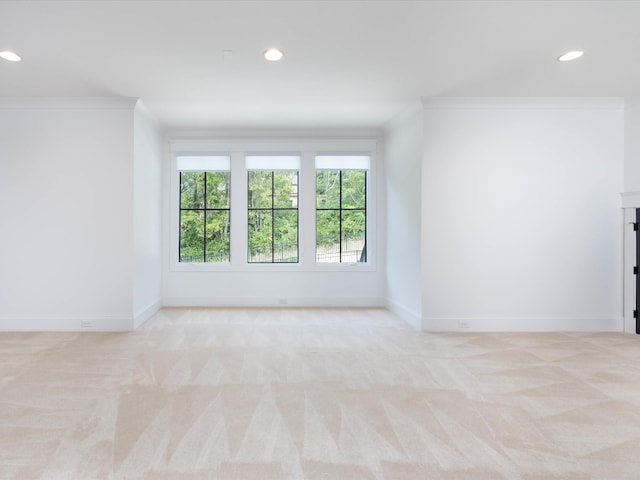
point(282, 301)
point(85, 324)
point(463, 325)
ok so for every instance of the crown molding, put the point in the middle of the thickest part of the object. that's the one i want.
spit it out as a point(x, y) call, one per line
point(409, 114)
point(522, 102)
point(142, 110)
point(118, 103)
point(278, 133)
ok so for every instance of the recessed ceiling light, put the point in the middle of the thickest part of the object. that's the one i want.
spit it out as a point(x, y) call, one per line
point(10, 56)
point(572, 55)
point(273, 54)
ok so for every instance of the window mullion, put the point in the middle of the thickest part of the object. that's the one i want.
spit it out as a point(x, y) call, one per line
point(204, 215)
point(238, 210)
point(307, 209)
point(340, 216)
point(366, 227)
point(179, 215)
point(273, 218)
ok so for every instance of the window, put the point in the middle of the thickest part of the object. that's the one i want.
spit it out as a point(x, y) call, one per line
point(272, 209)
point(205, 230)
point(341, 208)
point(297, 204)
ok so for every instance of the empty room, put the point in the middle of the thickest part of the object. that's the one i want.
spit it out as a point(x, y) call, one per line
point(306, 240)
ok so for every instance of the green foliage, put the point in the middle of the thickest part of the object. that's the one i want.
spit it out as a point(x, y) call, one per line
point(206, 196)
point(192, 190)
point(273, 216)
point(340, 198)
point(354, 187)
point(327, 189)
point(191, 236)
point(327, 227)
point(218, 189)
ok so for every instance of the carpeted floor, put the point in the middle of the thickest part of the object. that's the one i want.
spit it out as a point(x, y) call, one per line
point(316, 394)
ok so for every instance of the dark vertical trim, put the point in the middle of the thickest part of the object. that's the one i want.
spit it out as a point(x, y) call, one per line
point(248, 216)
point(637, 260)
point(363, 257)
point(180, 220)
point(273, 217)
point(204, 237)
point(340, 213)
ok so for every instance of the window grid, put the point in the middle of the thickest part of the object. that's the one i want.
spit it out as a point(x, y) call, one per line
point(341, 210)
point(272, 211)
point(205, 209)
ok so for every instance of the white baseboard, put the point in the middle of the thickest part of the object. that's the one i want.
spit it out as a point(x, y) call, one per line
point(146, 313)
point(65, 323)
point(412, 317)
point(275, 302)
point(462, 323)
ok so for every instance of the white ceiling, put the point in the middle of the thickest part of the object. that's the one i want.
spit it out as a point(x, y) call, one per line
point(347, 63)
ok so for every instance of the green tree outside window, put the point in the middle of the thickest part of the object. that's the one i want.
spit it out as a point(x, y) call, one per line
point(272, 216)
point(341, 216)
point(204, 217)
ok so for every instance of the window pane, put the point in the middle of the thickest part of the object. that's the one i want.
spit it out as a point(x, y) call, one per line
point(285, 236)
point(260, 236)
point(191, 236)
point(218, 189)
point(273, 216)
point(217, 236)
point(192, 190)
point(353, 236)
point(286, 189)
point(260, 189)
point(354, 188)
point(327, 236)
point(327, 189)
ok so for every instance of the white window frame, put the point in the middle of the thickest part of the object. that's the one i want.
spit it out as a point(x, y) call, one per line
point(238, 149)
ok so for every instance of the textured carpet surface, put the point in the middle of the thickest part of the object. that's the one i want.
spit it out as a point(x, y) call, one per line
point(316, 394)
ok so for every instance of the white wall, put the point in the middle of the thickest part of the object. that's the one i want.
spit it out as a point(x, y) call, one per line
point(403, 145)
point(303, 284)
point(630, 201)
point(632, 145)
point(65, 206)
point(519, 227)
point(274, 288)
point(147, 215)
point(522, 227)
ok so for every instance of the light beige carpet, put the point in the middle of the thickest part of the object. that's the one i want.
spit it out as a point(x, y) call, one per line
point(316, 394)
